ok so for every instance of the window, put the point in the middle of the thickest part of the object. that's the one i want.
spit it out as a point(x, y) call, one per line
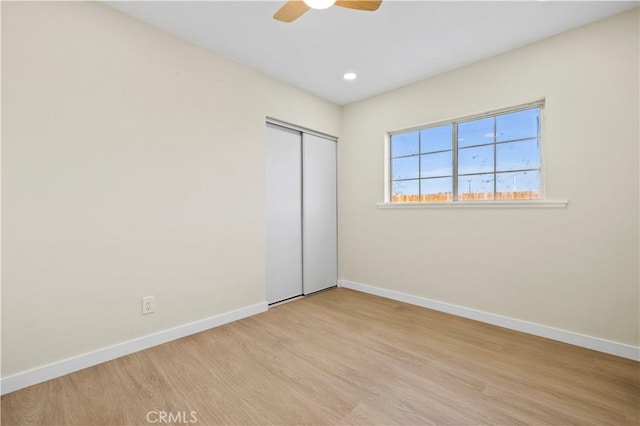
point(489, 157)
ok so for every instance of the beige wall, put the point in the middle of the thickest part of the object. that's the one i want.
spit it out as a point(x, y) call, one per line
point(133, 164)
point(575, 268)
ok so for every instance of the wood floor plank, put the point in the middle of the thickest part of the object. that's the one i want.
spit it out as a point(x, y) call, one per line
point(343, 357)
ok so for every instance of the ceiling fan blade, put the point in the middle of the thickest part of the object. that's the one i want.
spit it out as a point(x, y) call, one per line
point(291, 11)
point(370, 5)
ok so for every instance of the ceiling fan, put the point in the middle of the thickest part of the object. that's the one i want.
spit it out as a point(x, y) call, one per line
point(293, 9)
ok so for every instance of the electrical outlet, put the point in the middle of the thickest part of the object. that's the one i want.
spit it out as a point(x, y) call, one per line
point(148, 305)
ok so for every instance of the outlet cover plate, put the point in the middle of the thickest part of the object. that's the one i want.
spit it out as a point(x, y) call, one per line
point(148, 305)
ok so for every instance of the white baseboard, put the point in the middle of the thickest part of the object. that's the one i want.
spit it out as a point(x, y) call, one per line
point(80, 362)
point(577, 339)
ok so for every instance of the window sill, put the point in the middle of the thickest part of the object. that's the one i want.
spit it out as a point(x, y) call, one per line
point(533, 204)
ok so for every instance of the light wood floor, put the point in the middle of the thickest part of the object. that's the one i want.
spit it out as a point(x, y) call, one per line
point(342, 357)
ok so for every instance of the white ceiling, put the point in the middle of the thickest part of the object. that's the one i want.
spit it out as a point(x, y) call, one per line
point(402, 42)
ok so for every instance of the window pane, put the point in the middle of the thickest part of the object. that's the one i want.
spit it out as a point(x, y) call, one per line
point(436, 190)
point(405, 191)
point(436, 138)
point(475, 160)
point(475, 187)
point(440, 164)
point(404, 144)
point(404, 168)
point(495, 156)
point(518, 186)
point(476, 132)
point(518, 125)
point(518, 155)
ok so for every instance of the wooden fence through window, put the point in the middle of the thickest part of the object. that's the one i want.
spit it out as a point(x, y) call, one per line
point(473, 196)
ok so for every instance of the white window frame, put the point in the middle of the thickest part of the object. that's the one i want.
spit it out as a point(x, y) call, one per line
point(542, 202)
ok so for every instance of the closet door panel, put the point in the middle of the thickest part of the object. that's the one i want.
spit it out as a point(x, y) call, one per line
point(320, 252)
point(284, 214)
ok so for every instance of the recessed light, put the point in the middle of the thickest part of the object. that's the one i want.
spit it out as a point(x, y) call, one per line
point(350, 76)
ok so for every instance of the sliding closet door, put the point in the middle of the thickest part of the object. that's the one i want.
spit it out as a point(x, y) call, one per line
point(320, 245)
point(284, 214)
